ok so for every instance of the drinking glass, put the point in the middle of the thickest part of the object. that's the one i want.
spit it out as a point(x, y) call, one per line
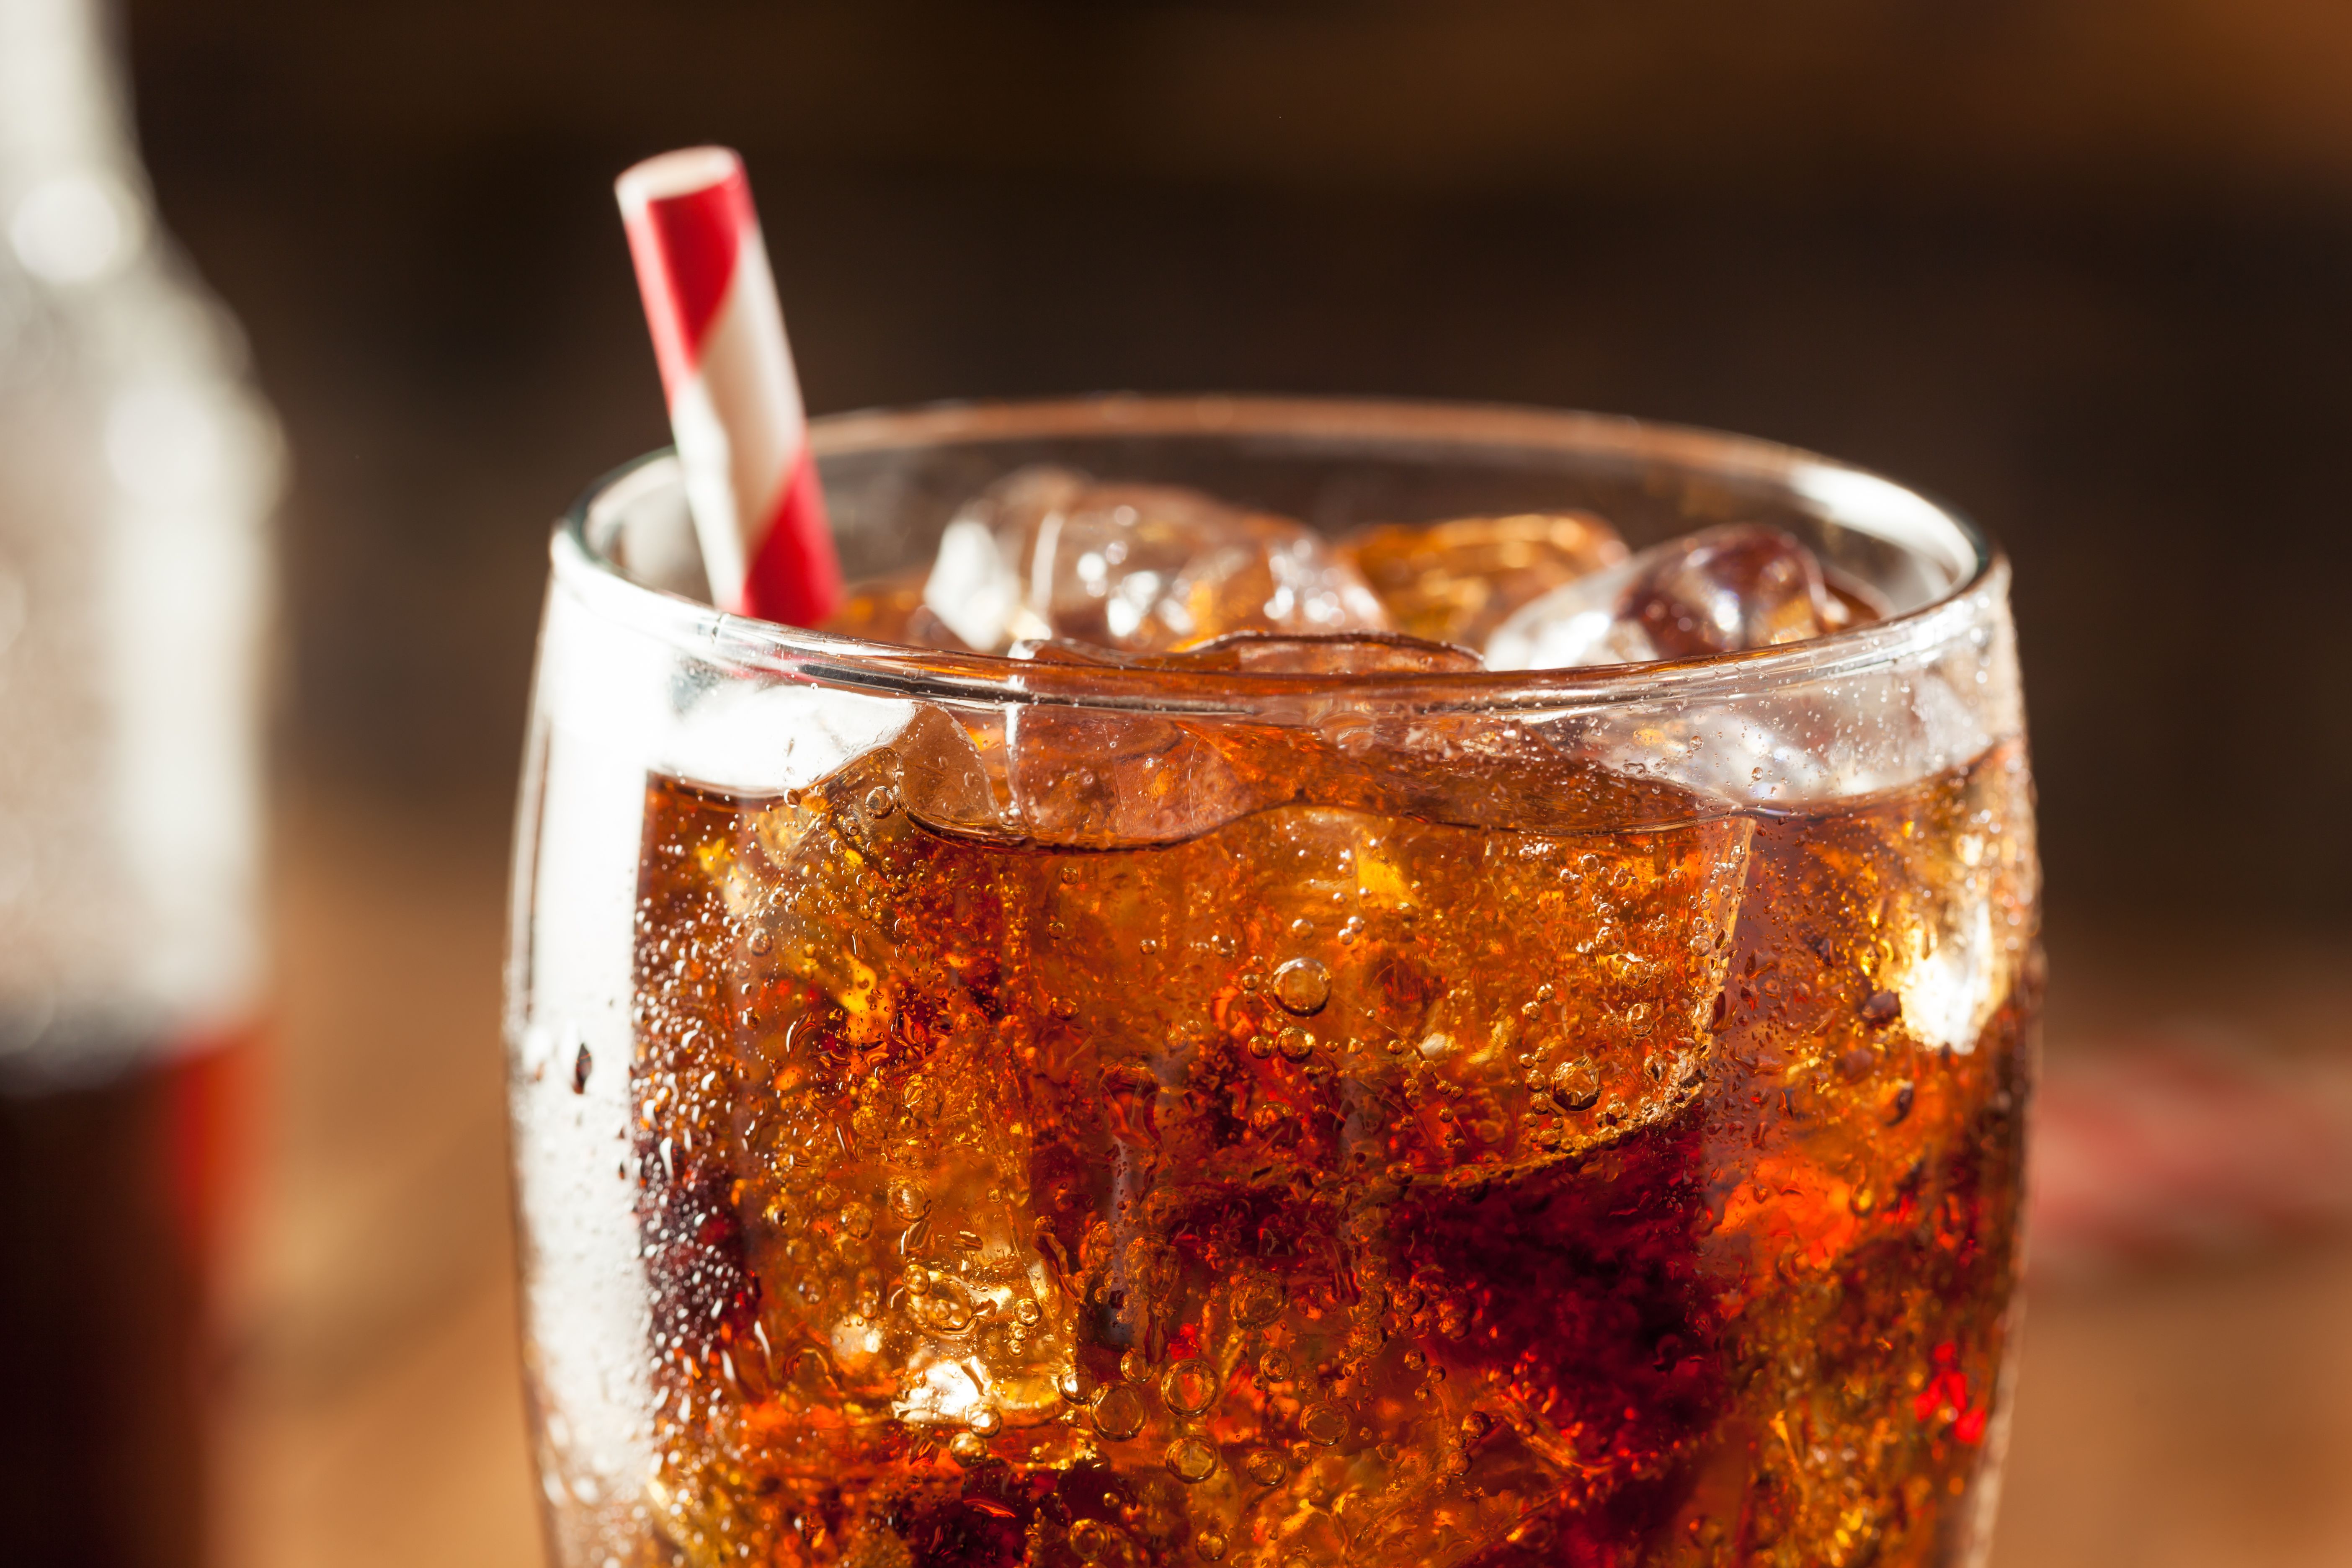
point(1313, 1102)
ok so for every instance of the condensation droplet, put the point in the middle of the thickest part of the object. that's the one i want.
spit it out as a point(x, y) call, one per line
point(1188, 1387)
point(1303, 986)
point(1118, 1413)
point(1265, 1468)
point(1192, 1460)
point(582, 1065)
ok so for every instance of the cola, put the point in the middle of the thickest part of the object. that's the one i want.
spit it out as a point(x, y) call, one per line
point(1550, 1166)
point(113, 1188)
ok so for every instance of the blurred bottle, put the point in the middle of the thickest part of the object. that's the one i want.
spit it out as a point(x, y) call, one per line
point(137, 471)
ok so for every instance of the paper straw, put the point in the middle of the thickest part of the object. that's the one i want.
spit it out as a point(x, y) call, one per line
point(734, 402)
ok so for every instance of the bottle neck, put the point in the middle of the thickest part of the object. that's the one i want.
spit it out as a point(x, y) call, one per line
point(73, 199)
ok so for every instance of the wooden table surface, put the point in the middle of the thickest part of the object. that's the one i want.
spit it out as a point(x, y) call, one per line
point(2193, 1413)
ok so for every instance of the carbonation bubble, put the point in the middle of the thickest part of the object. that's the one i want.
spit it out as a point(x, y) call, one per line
point(1189, 1387)
point(909, 1201)
point(1027, 1311)
point(760, 942)
point(1576, 1084)
point(1192, 1460)
point(1261, 1045)
point(1323, 1425)
point(857, 1220)
point(1265, 1468)
point(985, 1421)
point(1295, 1044)
point(944, 1309)
point(1067, 1385)
point(1211, 1545)
point(1135, 1366)
point(1091, 1539)
point(879, 801)
point(967, 1446)
point(1118, 1413)
point(921, 1098)
point(1257, 1301)
point(1303, 986)
point(1275, 1366)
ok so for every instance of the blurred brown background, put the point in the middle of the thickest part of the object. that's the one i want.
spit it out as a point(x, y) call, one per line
point(2081, 268)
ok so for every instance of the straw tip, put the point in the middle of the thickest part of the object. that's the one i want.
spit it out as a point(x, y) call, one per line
point(669, 175)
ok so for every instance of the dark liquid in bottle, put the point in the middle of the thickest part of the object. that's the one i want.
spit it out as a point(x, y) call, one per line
point(109, 1182)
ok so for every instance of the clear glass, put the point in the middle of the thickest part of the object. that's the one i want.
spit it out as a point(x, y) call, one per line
point(971, 1110)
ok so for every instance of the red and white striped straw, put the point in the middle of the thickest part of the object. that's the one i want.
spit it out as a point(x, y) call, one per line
point(734, 403)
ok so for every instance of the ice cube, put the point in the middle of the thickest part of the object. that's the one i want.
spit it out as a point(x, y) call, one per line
point(1721, 590)
point(1456, 581)
point(1047, 553)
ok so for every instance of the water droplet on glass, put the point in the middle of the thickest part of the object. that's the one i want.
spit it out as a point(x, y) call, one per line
point(582, 1065)
point(1576, 1084)
point(1303, 986)
point(1188, 1387)
point(1192, 1460)
point(1266, 1467)
point(1118, 1413)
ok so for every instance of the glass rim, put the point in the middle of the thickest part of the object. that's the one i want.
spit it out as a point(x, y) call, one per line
point(1837, 490)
